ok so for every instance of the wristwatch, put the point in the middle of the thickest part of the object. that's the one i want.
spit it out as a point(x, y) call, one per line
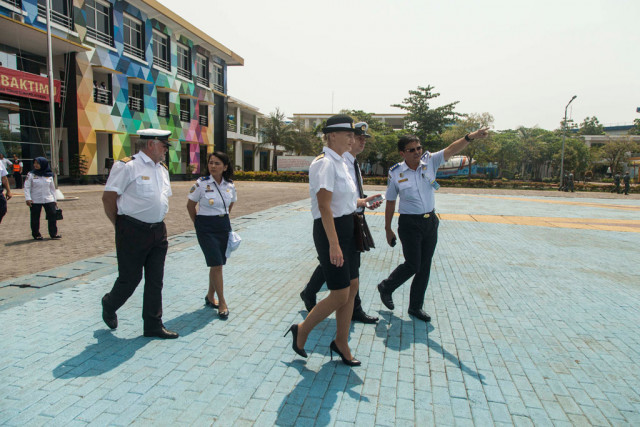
point(466, 137)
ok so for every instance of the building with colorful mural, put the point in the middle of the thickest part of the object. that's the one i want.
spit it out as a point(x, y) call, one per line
point(121, 66)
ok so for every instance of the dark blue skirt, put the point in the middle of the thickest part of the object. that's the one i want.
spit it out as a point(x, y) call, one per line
point(213, 234)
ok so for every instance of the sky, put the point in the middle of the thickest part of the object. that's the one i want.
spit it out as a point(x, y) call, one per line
point(520, 61)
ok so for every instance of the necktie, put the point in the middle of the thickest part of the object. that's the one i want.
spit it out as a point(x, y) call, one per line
point(358, 178)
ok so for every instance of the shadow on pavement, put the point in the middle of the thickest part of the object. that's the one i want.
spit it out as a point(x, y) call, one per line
point(393, 339)
point(96, 359)
point(319, 392)
point(21, 242)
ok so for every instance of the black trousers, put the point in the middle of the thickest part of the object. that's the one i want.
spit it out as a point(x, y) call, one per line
point(3, 205)
point(419, 236)
point(17, 176)
point(140, 247)
point(50, 212)
point(317, 280)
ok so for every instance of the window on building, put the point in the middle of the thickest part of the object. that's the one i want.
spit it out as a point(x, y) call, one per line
point(99, 21)
point(136, 97)
point(218, 78)
point(204, 115)
point(61, 12)
point(102, 88)
point(15, 3)
point(202, 70)
point(133, 35)
point(163, 104)
point(161, 53)
point(185, 109)
point(184, 61)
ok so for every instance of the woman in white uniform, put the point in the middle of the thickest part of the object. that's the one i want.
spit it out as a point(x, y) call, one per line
point(40, 192)
point(215, 195)
point(334, 199)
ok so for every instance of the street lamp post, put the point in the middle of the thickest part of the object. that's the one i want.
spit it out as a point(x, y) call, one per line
point(564, 134)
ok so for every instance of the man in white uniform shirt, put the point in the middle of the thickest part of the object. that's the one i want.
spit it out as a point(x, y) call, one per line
point(414, 180)
point(136, 200)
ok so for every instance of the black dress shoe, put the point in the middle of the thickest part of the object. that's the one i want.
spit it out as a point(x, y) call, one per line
point(420, 314)
point(161, 333)
point(353, 362)
point(38, 238)
point(309, 303)
point(386, 298)
point(109, 316)
point(294, 345)
point(362, 317)
point(56, 237)
point(209, 303)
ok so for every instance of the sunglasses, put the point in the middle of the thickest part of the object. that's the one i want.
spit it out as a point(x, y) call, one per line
point(413, 150)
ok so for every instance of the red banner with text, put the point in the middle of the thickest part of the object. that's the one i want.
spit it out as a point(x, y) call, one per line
point(27, 85)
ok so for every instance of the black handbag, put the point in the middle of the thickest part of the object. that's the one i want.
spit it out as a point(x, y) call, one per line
point(362, 234)
point(58, 215)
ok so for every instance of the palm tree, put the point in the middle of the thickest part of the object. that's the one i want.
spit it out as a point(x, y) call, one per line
point(276, 131)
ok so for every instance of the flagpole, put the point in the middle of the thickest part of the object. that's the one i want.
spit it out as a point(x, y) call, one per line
point(52, 111)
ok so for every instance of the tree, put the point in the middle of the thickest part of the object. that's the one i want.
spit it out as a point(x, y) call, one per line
point(591, 126)
point(477, 150)
point(427, 123)
point(616, 151)
point(304, 142)
point(506, 150)
point(276, 131)
point(382, 147)
point(635, 130)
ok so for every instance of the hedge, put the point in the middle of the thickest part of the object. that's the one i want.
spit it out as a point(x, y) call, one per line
point(448, 182)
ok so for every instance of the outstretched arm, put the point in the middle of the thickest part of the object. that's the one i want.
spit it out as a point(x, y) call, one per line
point(459, 145)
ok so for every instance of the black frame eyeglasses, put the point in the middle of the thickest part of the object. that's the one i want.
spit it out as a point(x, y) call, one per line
point(414, 149)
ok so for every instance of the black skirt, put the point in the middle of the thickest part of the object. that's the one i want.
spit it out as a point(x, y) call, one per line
point(337, 277)
point(213, 234)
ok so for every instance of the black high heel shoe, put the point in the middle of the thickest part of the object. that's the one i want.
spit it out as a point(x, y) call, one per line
point(209, 303)
point(353, 362)
point(294, 331)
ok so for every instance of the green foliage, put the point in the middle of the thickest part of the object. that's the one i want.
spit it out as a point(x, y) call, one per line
point(303, 141)
point(591, 126)
point(477, 150)
point(635, 130)
point(78, 166)
point(276, 131)
point(424, 121)
point(616, 151)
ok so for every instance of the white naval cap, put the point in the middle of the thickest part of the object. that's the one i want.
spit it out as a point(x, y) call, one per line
point(162, 135)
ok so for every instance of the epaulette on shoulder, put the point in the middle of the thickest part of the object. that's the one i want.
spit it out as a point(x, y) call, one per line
point(426, 155)
point(203, 178)
point(127, 159)
point(164, 165)
point(319, 157)
point(394, 167)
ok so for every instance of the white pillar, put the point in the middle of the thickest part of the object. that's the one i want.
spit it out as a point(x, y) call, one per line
point(239, 154)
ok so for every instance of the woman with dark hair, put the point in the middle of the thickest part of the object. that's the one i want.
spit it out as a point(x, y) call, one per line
point(215, 195)
point(39, 192)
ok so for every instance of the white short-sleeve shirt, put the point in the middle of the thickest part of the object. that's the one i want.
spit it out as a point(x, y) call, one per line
point(205, 193)
point(39, 189)
point(329, 171)
point(415, 188)
point(3, 170)
point(143, 188)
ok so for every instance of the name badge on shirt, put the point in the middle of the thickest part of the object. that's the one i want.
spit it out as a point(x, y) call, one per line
point(435, 185)
point(403, 180)
point(145, 178)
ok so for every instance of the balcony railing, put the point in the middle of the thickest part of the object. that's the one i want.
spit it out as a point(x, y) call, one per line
point(15, 3)
point(185, 116)
point(159, 62)
point(232, 127)
point(102, 95)
point(56, 17)
point(100, 36)
point(248, 131)
point(218, 87)
point(134, 51)
point(136, 104)
point(203, 120)
point(203, 81)
point(184, 73)
point(163, 110)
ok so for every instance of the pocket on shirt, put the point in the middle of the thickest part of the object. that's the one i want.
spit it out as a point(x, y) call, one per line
point(144, 187)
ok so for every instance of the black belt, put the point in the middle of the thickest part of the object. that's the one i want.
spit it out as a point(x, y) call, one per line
point(141, 223)
point(425, 215)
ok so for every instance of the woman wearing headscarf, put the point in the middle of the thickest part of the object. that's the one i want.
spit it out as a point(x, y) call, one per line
point(215, 195)
point(39, 192)
point(334, 199)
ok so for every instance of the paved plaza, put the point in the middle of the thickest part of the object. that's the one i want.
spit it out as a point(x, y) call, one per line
point(535, 304)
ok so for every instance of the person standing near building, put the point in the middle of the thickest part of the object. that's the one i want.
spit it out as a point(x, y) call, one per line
point(40, 192)
point(627, 183)
point(308, 294)
point(616, 182)
point(136, 200)
point(17, 171)
point(4, 186)
point(414, 180)
point(6, 162)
